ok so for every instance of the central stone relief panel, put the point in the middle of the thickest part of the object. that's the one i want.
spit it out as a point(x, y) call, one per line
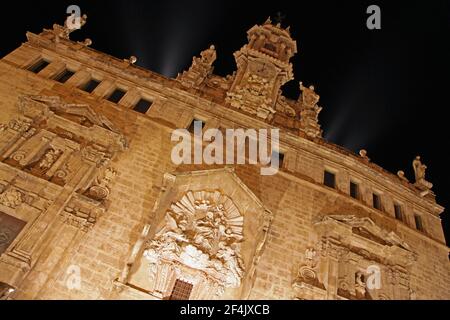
point(201, 232)
point(208, 233)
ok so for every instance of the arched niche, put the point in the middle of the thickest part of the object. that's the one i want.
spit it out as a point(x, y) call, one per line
point(208, 231)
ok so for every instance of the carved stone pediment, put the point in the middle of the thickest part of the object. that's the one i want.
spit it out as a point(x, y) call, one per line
point(366, 228)
point(369, 262)
point(210, 231)
point(81, 113)
point(85, 122)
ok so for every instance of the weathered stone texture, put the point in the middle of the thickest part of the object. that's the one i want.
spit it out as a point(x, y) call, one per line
point(301, 240)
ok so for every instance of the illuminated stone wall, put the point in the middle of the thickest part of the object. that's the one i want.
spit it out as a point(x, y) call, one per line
point(90, 184)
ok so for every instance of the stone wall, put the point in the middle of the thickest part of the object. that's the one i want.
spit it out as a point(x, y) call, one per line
point(295, 196)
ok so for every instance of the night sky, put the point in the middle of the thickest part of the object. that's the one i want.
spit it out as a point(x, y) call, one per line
point(382, 90)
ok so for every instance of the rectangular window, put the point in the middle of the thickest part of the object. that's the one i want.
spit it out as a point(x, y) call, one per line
point(90, 85)
point(376, 201)
point(418, 221)
point(64, 76)
point(116, 95)
point(354, 190)
point(38, 66)
point(142, 106)
point(398, 212)
point(181, 290)
point(193, 123)
point(280, 156)
point(329, 179)
point(10, 228)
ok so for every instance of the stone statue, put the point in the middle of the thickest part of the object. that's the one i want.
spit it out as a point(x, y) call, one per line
point(131, 60)
point(419, 172)
point(360, 284)
point(69, 24)
point(108, 176)
point(208, 56)
point(200, 69)
point(309, 97)
point(310, 257)
point(309, 114)
point(363, 154)
point(419, 169)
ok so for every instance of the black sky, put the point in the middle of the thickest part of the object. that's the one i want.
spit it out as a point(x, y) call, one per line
point(382, 90)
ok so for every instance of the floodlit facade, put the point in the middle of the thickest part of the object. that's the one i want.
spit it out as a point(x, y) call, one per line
point(92, 205)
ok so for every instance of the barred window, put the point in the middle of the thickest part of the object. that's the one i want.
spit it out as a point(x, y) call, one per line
point(376, 201)
point(142, 105)
point(181, 290)
point(116, 95)
point(64, 76)
point(354, 190)
point(329, 179)
point(90, 85)
point(398, 212)
point(418, 221)
point(38, 66)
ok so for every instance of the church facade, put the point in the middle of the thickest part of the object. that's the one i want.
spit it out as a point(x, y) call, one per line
point(92, 205)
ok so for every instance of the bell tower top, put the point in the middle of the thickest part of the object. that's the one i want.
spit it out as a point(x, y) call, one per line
point(272, 40)
point(262, 68)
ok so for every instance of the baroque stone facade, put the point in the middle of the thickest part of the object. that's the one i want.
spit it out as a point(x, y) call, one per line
point(92, 207)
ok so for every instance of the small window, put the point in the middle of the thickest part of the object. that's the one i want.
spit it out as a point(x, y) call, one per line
point(90, 85)
point(38, 66)
point(398, 212)
point(354, 190)
point(280, 156)
point(329, 179)
point(376, 201)
point(64, 76)
point(194, 123)
point(142, 106)
point(418, 221)
point(181, 290)
point(116, 95)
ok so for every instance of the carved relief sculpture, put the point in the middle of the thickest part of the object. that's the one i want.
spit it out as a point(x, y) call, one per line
point(202, 231)
point(100, 189)
point(11, 198)
point(49, 159)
